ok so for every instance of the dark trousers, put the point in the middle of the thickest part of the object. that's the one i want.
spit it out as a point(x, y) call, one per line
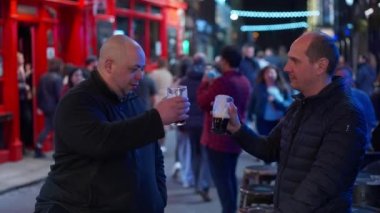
point(48, 127)
point(199, 160)
point(223, 167)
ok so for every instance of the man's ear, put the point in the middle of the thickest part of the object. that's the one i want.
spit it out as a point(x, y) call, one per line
point(108, 65)
point(322, 65)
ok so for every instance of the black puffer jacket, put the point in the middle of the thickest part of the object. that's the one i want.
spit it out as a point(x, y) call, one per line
point(319, 146)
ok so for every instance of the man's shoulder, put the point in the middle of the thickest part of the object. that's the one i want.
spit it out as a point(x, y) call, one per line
point(83, 91)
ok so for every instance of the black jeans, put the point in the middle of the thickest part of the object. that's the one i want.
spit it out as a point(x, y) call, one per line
point(223, 167)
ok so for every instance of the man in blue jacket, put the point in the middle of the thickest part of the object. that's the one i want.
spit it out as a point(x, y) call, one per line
point(319, 144)
point(107, 158)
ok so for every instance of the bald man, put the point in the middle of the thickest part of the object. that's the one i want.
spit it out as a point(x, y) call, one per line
point(107, 158)
point(320, 142)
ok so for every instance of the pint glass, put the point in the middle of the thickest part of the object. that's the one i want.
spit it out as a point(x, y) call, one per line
point(178, 91)
point(220, 116)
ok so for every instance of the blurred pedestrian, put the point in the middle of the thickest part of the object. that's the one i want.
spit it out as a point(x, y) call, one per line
point(75, 76)
point(48, 95)
point(199, 162)
point(162, 79)
point(222, 150)
point(362, 100)
point(270, 99)
point(90, 66)
point(248, 66)
point(365, 76)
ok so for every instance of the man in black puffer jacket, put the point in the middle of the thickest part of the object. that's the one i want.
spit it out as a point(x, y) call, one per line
point(320, 142)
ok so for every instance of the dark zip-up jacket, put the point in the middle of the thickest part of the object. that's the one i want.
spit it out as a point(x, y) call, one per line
point(319, 146)
point(107, 158)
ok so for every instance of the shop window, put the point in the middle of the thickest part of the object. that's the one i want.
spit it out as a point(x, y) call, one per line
point(27, 10)
point(140, 7)
point(139, 31)
point(156, 10)
point(122, 3)
point(104, 31)
point(155, 43)
point(100, 7)
point(172, 45)
point(122, 25)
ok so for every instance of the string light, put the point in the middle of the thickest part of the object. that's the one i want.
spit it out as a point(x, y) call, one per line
point(273, 27)
point(276, 14)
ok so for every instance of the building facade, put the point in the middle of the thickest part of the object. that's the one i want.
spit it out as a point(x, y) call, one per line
point(73, 30)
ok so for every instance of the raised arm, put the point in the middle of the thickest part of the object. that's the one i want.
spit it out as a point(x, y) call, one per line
point(84, 128)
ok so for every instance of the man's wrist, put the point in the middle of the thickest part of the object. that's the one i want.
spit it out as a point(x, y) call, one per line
point(234, 129)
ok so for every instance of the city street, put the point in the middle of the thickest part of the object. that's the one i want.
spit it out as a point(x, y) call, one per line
point(180, 199)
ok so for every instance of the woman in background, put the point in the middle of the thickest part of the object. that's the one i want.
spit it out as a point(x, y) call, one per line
point(270, 99)
point(75, 76)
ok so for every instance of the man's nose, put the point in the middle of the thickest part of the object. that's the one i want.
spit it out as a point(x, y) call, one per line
point(287, 68)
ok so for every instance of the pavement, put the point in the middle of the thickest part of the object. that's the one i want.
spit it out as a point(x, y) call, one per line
point(30, 171)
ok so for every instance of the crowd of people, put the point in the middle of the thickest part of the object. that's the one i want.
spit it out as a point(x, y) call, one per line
point(306, 110)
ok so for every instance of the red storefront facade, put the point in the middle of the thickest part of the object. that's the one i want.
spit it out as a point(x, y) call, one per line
point(72, 30)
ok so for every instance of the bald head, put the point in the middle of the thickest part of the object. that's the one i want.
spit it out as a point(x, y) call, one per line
point(320, 45)
point(117, 48)
point(121, 63)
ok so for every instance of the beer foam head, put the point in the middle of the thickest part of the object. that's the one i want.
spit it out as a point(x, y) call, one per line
point(220, 107)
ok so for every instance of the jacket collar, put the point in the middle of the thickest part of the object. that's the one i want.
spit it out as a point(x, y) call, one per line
point(231, 72)
point(102, 86)
point(337, 84)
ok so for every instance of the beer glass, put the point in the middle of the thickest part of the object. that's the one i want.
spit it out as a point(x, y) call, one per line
point(220, 116)
point(177, 91)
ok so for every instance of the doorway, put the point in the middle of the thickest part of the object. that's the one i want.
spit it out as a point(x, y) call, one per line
point(26, 84)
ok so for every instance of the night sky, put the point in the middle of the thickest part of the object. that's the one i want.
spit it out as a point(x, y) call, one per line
point(274, 38)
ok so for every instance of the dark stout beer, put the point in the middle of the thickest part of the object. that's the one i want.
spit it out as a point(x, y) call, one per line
point(219, 125)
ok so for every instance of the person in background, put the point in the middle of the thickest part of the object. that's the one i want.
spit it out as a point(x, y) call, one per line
point(147, 91)
point(222, 150)
point(107, 158)
point(90, 66)
point(199, 162)
point(181, 172)
point(270, 99)
point(48, 95)
point(75, 76)
point(320, 143)
point(362, 100)
point(365, 75)
point(24, 91)
point(248, 65)
point(162, 79)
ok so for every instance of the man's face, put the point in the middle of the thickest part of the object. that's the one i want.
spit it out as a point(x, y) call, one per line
point(299, 68)
point(249, 52)
point(128, 70)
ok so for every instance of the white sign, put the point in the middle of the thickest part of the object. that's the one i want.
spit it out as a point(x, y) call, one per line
point(50, 52)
